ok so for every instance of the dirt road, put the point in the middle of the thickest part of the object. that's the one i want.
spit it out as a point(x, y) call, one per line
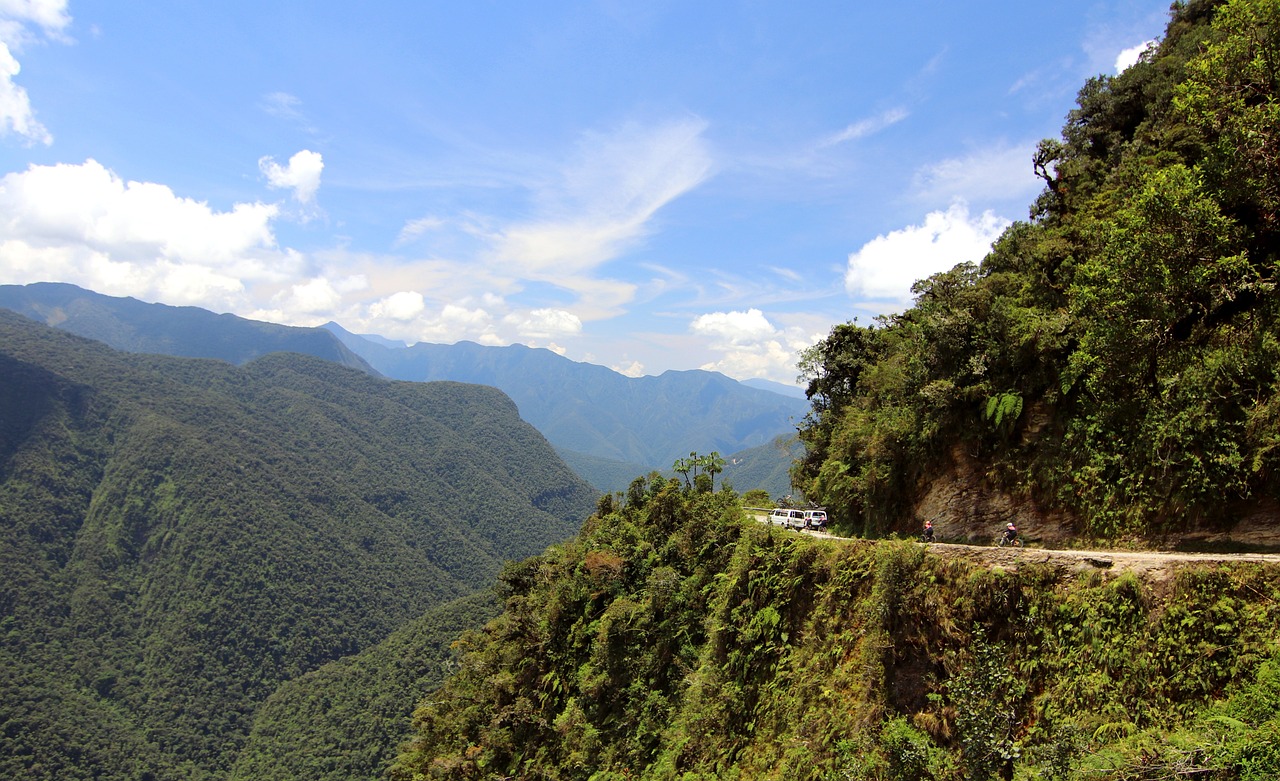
point(1150, 564)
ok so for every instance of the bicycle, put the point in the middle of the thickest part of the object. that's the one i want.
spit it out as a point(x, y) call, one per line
point(1003, 541)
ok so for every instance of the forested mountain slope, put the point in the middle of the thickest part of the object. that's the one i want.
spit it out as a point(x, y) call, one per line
point(131, 325)
point(181, 536)
point(1112, 367)
point(347, 720)
point(596, 411)
point(675, 639)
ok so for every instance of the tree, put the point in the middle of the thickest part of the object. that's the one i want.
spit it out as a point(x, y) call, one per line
point(713, 465)
point(682, 466)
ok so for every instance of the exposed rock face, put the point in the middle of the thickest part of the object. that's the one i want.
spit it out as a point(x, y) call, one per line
point(964, 506)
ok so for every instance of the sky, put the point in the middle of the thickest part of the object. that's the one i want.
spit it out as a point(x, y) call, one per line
point(641, 184)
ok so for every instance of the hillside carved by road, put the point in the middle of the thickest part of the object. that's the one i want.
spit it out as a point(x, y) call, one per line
point(1151, 564)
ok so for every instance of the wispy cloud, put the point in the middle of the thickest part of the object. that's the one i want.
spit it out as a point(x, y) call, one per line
point(866, 127)
point(999, 172)
point(603, 202)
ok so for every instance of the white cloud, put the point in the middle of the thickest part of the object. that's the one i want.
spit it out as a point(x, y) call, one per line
point(1130, 56)
point(1001, 172)
point(734, 327)
point(750, 345)
point(632, 369)
point(403, 306)
point(866, 127)
point(49, 15)
point(315, 296)
point(544, 323)
point(85, 225)
point(16, 115)
point(302, 175)
point(881, 273)
point(415, 228)
point(604, 201)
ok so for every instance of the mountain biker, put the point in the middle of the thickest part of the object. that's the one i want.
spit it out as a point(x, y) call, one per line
point(928, 532)
point(1010, 533)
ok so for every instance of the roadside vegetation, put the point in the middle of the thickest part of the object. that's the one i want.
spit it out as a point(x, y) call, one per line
point(677, 639)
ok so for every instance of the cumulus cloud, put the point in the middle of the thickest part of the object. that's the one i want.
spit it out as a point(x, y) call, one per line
point(302, 174)
point(544, 323)
point(751, 345)
point(632, 369)
point(881, 273)
point(998, 172)
point(1130, 56)
point(16, 17)
point(403, 306)
point(83, 224)
point(315, 296)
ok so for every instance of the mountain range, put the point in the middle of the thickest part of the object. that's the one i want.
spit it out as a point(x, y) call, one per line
point(609, 427)
point(181, 536)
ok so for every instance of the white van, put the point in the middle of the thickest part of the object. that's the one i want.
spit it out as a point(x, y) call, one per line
point(815, 519)
point(791, 518)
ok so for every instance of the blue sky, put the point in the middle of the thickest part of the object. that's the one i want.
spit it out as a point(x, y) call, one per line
point(643, 185)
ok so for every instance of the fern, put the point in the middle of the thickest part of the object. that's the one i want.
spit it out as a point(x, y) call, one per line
point(1004, 406)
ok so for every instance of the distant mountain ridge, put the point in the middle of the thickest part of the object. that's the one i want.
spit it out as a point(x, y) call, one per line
point(596, 411)
point(187, 331)
point(610, 427)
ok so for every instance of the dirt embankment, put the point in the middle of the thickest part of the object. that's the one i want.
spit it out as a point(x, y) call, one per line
point(964, 507)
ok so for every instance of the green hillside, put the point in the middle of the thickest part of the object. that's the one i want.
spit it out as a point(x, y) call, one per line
point(764, 467)
point(675, 639)
point(1115, 359)
point(346, 720)
point(182, 536)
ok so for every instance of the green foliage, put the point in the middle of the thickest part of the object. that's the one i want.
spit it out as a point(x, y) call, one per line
point(180, 537)
point(1114, 358)
point(672, 640)
point(1003, 407)
point(347, 719)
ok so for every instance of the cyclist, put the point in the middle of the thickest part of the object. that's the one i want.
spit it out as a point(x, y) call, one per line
point(928, 532)
point(1010, 534)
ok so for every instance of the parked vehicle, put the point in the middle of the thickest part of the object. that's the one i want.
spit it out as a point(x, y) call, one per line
point(815, 519)
point(794, 519)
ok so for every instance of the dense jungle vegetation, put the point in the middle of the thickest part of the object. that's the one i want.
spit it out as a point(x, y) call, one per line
point(676, 639)
point(1116, 356)
point(179, 537)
